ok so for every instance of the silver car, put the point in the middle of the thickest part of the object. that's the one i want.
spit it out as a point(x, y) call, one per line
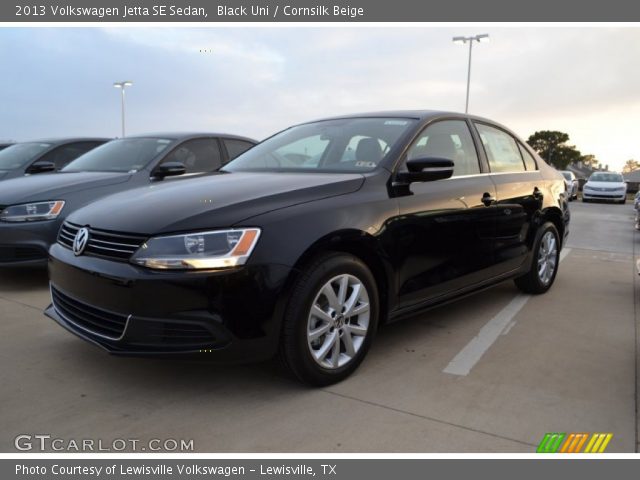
point(571, 184)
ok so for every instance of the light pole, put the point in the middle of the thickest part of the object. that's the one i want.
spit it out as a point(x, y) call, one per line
point(484, 37)
point(122, 86)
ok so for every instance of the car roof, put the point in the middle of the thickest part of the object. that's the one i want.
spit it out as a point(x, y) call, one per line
point(189, 135)
point(414, 114)
point(61, 141)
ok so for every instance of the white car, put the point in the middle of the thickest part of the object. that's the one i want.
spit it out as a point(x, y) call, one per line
point(571, 184)
point(608, 186)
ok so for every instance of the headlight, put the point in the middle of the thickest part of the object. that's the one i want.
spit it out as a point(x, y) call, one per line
point(203, 250)
point(31, 212)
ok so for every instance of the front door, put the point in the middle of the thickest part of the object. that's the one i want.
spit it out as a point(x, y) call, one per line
point(443, 236)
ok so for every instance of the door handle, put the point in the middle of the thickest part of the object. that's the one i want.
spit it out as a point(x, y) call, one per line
point(488, 199)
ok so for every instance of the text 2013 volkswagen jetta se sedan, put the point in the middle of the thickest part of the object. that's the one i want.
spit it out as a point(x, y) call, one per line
point(306, 243)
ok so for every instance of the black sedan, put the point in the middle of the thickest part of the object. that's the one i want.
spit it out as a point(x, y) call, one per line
point(303, 245)
point(43, 156)
point(33, 208)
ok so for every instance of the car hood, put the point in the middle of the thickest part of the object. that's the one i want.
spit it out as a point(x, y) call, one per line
point(54, 186)
point(217, 201)
point(605, 184)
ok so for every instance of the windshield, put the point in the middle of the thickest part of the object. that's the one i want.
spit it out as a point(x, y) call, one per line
point(606, 177)
point(124, 155)
point(345, 145)
point(566, 175)
point(21, 154)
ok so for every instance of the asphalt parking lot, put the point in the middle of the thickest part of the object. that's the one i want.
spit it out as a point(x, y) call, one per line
point(490, 373)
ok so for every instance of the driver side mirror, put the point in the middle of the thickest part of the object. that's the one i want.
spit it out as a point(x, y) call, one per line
point(41, 167)
point(426, 169)
point(169, 169)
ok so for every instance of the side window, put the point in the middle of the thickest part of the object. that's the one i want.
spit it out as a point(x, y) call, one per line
point(448, 139)
point(198, 156)
point(236, 147)
point(529, 161)
point(64, 154)
point(501, 148)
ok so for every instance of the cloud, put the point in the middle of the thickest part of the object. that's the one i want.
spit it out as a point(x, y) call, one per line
point(255, 81)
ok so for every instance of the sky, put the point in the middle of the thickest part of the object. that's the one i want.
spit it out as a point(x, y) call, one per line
point(255, 81)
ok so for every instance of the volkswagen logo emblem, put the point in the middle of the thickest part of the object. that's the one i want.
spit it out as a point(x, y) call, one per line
point(81, 240)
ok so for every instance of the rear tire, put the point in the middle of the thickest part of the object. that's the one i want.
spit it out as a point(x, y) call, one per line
point(546, 257)
point(336, 294)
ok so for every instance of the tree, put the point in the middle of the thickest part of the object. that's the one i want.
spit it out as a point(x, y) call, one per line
point(589, 161)
point(630, 166)
point(552, 146)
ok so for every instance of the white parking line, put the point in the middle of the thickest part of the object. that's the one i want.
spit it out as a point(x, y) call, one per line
point(471, 354)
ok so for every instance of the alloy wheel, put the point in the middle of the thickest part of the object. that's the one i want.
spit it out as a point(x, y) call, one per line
point(338, 322)
point(547, 257)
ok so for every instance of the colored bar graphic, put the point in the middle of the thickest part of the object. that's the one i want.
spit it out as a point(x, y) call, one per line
point(573, 442)
point(551, 442)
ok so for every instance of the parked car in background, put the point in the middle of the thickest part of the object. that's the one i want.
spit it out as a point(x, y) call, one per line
point(571, 183)
point(303, 245)
point(33, 208)
point(28, 158)
point(636, 208)
point(609, 186)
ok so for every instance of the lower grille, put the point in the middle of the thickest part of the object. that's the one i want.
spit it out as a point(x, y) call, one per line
point(91, 319)
point(602, 195)
point(102, 243)
point(179, 334)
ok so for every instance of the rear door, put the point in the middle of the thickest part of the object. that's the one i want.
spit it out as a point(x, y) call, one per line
point(519, 187)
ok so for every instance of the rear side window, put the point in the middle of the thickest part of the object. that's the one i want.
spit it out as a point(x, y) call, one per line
point(236, 147)
point(501, 149)
point(529, 161)
point(198, 156)
point(449, 139)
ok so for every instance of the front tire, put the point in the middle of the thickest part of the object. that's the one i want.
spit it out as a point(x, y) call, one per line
point(546, 257)
point(330, 320)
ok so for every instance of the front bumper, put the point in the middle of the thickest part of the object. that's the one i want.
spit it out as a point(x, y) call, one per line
point(26, 243)
point(610, 196)
point(229, 316)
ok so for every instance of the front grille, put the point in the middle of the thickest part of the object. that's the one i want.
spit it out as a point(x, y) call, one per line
point(92, 319)
point(102, 243)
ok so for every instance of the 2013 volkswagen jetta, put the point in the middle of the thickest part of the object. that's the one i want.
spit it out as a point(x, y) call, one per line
point(303, 245)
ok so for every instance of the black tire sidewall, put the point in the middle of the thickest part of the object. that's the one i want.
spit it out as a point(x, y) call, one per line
point(546, 227)
point(298, 353)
